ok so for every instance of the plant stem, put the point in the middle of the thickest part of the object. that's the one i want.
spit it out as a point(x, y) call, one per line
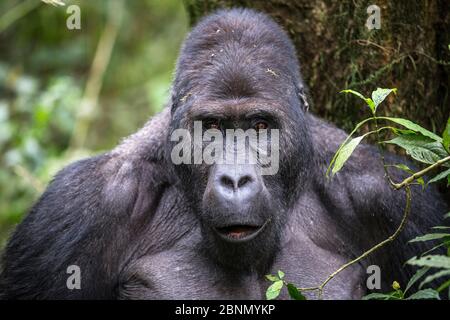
point(344, 143)
point(404, 184)
point(381, 151)
point(371, 250)
point(420, 173)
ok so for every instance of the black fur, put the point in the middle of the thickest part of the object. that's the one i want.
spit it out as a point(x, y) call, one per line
point(137, 225)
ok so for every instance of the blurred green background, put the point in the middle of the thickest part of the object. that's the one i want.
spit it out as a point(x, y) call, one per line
point(66, 94)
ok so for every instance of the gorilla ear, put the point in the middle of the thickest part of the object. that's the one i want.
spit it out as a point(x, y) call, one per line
point(303, 96)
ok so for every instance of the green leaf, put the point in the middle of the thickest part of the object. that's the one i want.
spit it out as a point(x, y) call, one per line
point(435, 261)
point(272, 278)
point(419, 274)
point(294, 292)
point(441, 228)
point(274, 290)
point(345, 153)
point(440, 176)
point(402, 167)
point(402, 132)
point(379, 296)
point(356, 93)
point(443, 286)
point(446, 136)
point(434, 248)
point(447, 215)
point(435, 276)
point(424, 294)
point(280, 274)
point(420, 148)
point(371, 105)
point(379, 95)
point(414, 127)
point(333, 160)
point(430, 236)
point(368, 101)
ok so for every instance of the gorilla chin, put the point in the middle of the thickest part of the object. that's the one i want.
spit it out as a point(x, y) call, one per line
point(242, 247)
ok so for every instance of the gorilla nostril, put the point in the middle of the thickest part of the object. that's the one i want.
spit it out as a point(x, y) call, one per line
point(227, 182)
point(244, 180)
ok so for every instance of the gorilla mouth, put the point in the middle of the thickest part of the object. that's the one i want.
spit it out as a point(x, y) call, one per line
point(239, 232)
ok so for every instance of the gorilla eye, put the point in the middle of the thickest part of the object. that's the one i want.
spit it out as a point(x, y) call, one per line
point(261, 125)
point(211, 124)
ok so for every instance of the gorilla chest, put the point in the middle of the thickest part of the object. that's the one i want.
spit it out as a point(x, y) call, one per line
point(182, 273)
point(179, 274)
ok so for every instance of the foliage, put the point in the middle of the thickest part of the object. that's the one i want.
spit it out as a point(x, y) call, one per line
point(421, 144)
point(44, 70)
point(425, 147)
point(337, 50)
point(274, 290)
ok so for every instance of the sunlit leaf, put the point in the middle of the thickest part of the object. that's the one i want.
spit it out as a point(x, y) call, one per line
point(420, 148)
point(441, 228)
point(430, 236)
point(414, 127)
point(435, 261)
point(272, 278)
point(440, 176)
point(356, 93)
point(446, 284)
point(274, 290)
point(402, 167)
point(446, 136)
point(419, 274)
point(424, 294)
point(333, 160)
point(379, 296)
point(345, 153)
point(398, 131)
point(368, 101)
point(435, 276)
point(379, 95)
point(280, 274)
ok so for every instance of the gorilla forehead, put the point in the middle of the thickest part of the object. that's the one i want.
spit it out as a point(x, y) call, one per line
point(235, 54)
point(241, 108)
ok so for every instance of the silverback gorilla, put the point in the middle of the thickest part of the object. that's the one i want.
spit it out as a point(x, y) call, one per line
point(141, 227)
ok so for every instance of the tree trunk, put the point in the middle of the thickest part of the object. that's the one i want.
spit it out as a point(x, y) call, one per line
point(337, 51)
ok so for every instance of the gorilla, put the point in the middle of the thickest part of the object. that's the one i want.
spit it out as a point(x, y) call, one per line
point(139, 226)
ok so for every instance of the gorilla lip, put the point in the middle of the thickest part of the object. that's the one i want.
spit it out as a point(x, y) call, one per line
point(237, 233)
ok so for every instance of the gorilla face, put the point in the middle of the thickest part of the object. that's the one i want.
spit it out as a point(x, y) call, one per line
point(242, 211)
point(230, 77)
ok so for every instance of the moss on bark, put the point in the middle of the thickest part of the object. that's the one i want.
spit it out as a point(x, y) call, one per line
point(337, 51)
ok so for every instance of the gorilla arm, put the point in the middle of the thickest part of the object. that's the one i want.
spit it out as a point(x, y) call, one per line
point(89, 216)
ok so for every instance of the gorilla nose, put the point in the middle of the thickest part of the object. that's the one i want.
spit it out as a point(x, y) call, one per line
point(234, 183)
point(237, 183)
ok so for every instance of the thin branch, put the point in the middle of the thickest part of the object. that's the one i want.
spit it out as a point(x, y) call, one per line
point(420, 173)
point(371, 250)
point(381, 151)
point(404, 184)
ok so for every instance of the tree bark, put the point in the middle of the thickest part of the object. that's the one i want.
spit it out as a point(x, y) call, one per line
point(337, 51)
